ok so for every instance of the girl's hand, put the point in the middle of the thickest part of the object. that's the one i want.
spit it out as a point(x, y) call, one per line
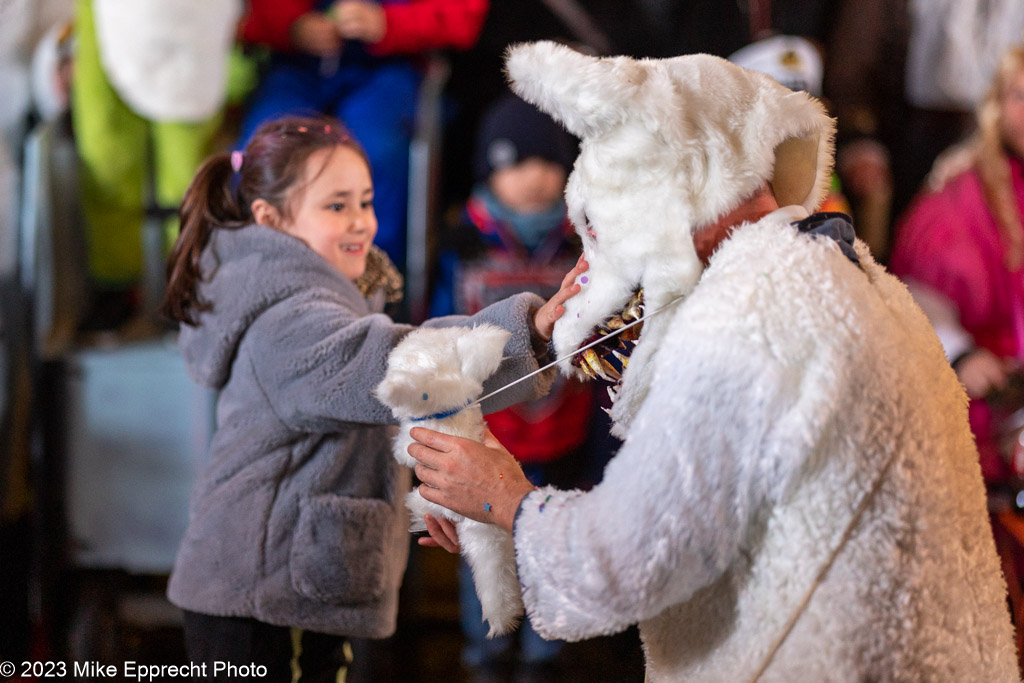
point(481, 481)
point(442, 534)
point(544, 319)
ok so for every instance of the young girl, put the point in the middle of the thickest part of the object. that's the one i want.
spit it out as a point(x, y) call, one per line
point(297, 533)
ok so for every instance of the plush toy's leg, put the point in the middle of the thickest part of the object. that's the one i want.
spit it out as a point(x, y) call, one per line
point(400, 448)
point(490, 553)
point(418, 506)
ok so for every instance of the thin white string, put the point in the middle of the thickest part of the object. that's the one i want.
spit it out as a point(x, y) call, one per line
point(579, 350)
point(824, 569)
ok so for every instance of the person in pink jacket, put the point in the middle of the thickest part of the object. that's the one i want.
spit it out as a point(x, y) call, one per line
point(960, 248)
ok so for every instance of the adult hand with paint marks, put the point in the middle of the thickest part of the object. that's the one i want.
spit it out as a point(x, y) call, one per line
point(481, 481)
point(456, 472)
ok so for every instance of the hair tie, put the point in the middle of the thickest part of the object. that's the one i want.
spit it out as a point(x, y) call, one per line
point(237, 157)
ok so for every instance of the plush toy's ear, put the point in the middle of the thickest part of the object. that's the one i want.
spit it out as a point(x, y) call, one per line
point(396, 391)
point(480, 350)
point(587, 94)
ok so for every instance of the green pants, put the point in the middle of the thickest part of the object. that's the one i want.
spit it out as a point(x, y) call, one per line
point(116, 149)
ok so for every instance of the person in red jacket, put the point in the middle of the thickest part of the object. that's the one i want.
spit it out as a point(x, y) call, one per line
point(357, 60)
point(512, 235)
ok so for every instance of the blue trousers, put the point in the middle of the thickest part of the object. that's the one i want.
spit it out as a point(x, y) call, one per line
point(376, 100)
point(479, 650)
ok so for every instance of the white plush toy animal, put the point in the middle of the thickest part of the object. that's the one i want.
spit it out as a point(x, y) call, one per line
point(433, 375)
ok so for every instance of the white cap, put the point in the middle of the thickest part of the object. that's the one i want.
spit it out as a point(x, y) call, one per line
point(791, 60)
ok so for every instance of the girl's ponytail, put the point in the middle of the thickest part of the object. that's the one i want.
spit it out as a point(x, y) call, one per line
point(210, 203)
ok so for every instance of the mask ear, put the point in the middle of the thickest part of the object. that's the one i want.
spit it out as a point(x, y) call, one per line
point(802, 172)
point(587, 94)
point(480, 351)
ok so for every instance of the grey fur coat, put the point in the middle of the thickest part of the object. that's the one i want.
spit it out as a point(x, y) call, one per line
point(297, 519)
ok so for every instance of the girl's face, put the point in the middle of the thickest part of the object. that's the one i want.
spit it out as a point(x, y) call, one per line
point(1012, 115)
point(333, 210)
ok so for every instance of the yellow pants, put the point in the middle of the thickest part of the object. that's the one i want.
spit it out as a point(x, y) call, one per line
point(116, 149)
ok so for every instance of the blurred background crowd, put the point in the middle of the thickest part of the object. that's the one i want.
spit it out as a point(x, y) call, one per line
point(107, 107)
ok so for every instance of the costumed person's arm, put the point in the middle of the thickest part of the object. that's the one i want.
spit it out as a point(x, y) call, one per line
point(411, 27)
point(671, 514)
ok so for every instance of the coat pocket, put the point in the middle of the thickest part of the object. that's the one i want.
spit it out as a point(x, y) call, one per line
point(339, 551)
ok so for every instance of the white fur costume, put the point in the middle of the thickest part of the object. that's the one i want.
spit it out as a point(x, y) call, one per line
point(168, 59)
point(432, 375)
point(792, 419)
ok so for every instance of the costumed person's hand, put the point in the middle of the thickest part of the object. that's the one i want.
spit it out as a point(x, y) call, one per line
point(981, 372)
point(443, 534)
point(545, 317)
point(360, 20)
point(316, 33)
point(481, 481)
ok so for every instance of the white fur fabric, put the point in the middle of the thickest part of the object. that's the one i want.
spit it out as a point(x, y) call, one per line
point(431, 373)
point(167, 59)
point(778, 390)
point(22, 24)
point(758, 412)
point(48, 97)
point(667, 147)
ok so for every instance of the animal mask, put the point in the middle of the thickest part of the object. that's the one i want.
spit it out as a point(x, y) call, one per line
point(667, 147)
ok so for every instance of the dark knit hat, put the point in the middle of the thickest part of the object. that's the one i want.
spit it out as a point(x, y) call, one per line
point(513, 130)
